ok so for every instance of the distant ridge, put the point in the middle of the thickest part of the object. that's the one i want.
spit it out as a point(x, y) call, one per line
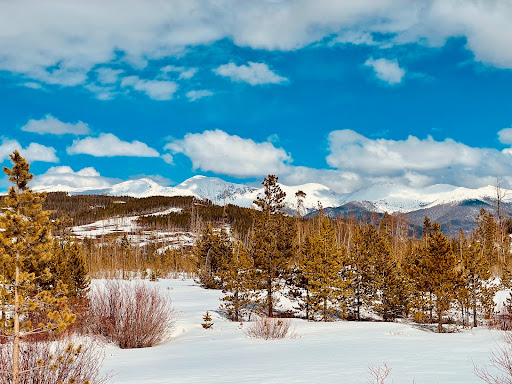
point(452, 206)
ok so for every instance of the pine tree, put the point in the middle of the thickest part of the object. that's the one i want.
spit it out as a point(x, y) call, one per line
point(33, 300)
point(441, 270)
point(272, 241)
point(475, 291)
point(322, 271)
point(212, 249)
point(368, 248)
point(486, 234)
point(207, 321)
point(237, 276)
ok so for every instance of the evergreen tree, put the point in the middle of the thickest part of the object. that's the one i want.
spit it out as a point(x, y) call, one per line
point(322, 270)
point(33, 300)
point(368, 249)
point(475, 292)
point(70, 267)
point(272, 241)
point(441, 270)
point(486, 234)
point(419, 271)
point(237, 276)
point(212, 249)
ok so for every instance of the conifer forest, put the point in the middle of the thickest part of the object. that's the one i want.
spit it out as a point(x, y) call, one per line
point(59, 286)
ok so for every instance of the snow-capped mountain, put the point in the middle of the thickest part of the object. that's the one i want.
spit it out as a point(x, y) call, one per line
point(216, 190)
point(382, 197)
point(390, 197)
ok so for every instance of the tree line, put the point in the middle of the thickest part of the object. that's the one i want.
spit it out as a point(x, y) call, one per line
point(348, 269)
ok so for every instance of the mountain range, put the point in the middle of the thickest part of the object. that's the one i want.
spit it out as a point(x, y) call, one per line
point(454, 207)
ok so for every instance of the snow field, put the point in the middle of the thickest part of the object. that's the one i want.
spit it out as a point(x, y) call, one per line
point(335, 352)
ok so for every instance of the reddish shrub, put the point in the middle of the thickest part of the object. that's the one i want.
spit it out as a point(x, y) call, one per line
point(131, 314)
point(269, 328)
point(51, 362)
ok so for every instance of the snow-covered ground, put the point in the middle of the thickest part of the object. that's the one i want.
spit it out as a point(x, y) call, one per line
point(336, 352)
point(135, 234)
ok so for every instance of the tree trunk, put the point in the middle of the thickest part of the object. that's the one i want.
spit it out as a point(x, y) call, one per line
point(269, 296)
point(475, 322)
point(236, 304)
point(16, 344)
point(307, 304)
point(440, 322)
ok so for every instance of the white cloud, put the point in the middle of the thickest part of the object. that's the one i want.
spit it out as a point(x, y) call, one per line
point(184, 73)
point(386, 70)
point(505, 136)
point(34, 151)
point(167, 157)
point(50, 124)
point(55, 44)
point(232, 155)
point(254, 73)
point(195, 95)
point(155, 89)
point(109, 145)
point(352, 151)
point(86, 178)
point(416, 162)
point(31, 84)
point(188, 74)
point(108, 75)
point(102, 92)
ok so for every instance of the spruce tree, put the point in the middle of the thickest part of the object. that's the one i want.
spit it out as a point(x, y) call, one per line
point(212, 249)
point(33, 300)
point(272, 241)
point(322, 270)
point(70, 267)
point(475, 292)
point(441, 269)
point(237, 276)
point(368, 249)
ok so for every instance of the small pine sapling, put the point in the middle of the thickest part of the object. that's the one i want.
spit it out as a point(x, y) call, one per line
point(207, 321)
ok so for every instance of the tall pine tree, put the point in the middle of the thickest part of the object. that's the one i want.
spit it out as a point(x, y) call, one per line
point(272, 241)
point(34, 300)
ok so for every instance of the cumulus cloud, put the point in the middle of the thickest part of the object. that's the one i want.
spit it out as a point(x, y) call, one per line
point(196, 95)
point(232, 155)
point(184, 73)
point(505, 136)
point(109, 145)
point(351, 150)
point(31, 84)
point(386, 70)
point(416, 162)
point(45, 41)
point(64, 176)
point(34, 151)
point(50, 124)
point(254, 73)
point(155, 89)
point(108, 75)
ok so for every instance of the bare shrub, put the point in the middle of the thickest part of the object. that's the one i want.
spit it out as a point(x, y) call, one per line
point(502, 319)
point(131, 314)
point(51, 362)
point(269, 328)
point(379, 374)
point(501, 360)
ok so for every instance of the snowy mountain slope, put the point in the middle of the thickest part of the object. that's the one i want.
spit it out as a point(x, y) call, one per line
point(390, 197)
point(215, 189)
point(315, 193)
point(382, 197)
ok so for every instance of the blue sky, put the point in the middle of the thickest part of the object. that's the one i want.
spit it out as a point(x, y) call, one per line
point(344, 93)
